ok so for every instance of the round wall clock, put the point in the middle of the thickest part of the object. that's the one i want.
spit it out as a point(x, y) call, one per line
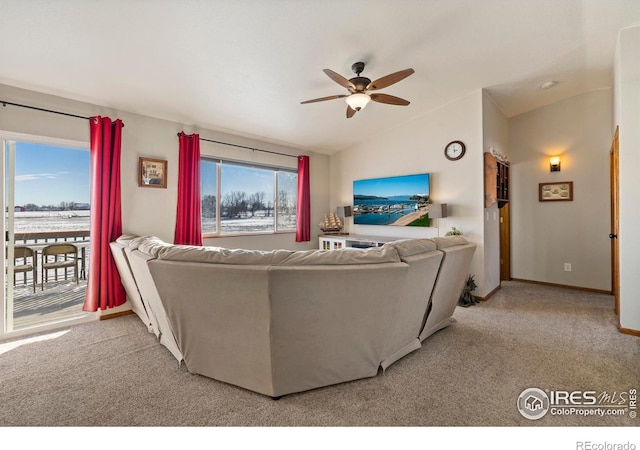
point(454, 150)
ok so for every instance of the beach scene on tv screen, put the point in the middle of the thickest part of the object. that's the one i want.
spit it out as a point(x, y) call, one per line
point(398, 201)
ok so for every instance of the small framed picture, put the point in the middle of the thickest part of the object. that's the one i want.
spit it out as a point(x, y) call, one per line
point(152, 173)
point(556, 192)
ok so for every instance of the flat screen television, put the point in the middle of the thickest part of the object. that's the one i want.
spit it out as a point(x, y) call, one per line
point(398, 201)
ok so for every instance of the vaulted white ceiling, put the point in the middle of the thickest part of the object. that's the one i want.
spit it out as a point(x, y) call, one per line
point(244, 66)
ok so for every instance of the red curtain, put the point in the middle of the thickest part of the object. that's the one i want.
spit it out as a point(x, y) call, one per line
point(303, 226)
point(188, 225)
point(104, 289)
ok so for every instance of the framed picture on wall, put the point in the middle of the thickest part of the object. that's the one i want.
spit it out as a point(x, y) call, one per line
point(152, 173)
point(556, 192)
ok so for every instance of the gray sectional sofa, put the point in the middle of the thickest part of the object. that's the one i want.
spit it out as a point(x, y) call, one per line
point(282, 321)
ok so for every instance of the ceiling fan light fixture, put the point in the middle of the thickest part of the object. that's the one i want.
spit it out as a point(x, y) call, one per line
point(359, 88)
point(358, 101)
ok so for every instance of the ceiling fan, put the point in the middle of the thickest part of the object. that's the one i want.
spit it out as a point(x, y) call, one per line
point(360, 87)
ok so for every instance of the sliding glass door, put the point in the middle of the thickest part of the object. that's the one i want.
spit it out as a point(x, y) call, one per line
point(46, 227)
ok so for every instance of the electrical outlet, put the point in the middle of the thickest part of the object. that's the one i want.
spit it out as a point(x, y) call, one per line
point(567, 267)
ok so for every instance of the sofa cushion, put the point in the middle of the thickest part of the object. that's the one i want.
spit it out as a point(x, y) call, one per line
point(410, 247)
point(146, 244)
point(449, 241)
point(345, 256)
point(220, 255)
point(159, 249)
point(126, 239)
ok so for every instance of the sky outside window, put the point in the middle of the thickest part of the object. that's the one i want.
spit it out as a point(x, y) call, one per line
point(247, 179)
point(48, 175)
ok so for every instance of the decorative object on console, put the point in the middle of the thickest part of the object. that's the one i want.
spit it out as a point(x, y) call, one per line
point(498, 156)
point(331, 223)
point(555, 192)
point(152, 173)
point(359, 88)
point(453, 232)
point(454, 150)
point(399, 201)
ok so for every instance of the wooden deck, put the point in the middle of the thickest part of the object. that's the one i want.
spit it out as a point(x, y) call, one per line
point(60, 300)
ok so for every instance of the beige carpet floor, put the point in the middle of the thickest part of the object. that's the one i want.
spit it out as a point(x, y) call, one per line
point(114, 373)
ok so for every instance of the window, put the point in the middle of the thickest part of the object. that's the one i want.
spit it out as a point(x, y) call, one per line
point(240, 198)
point(209, 195)
point(287, 184)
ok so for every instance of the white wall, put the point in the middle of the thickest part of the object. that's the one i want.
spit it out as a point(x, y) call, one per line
point(627, 116)
point(418, 147)
point(495, 135)
point(544, 236)
point(152, 211)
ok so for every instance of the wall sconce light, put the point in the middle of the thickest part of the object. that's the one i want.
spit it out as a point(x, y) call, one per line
point(554, 164)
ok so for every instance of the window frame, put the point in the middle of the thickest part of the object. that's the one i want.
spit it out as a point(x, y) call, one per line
point(5, 138)
point(219, 161)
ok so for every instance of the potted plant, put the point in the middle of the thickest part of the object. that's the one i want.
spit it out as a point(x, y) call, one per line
point(454, 232)
point(466, 298)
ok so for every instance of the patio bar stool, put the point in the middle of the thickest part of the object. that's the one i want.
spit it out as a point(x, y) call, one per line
point(59, 256)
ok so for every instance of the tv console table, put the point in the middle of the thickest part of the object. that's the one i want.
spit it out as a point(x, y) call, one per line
point(338, 241)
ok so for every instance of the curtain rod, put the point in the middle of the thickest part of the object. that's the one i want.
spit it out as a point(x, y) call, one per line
point(242, 146)
point(5, 103)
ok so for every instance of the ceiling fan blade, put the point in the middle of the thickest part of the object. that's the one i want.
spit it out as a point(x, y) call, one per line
point(389, 99)
point(322, 99)
point(342, 81)
point(350, 112)
point(389, 79)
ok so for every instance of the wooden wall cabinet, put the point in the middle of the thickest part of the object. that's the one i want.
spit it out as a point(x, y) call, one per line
point(496, 181)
